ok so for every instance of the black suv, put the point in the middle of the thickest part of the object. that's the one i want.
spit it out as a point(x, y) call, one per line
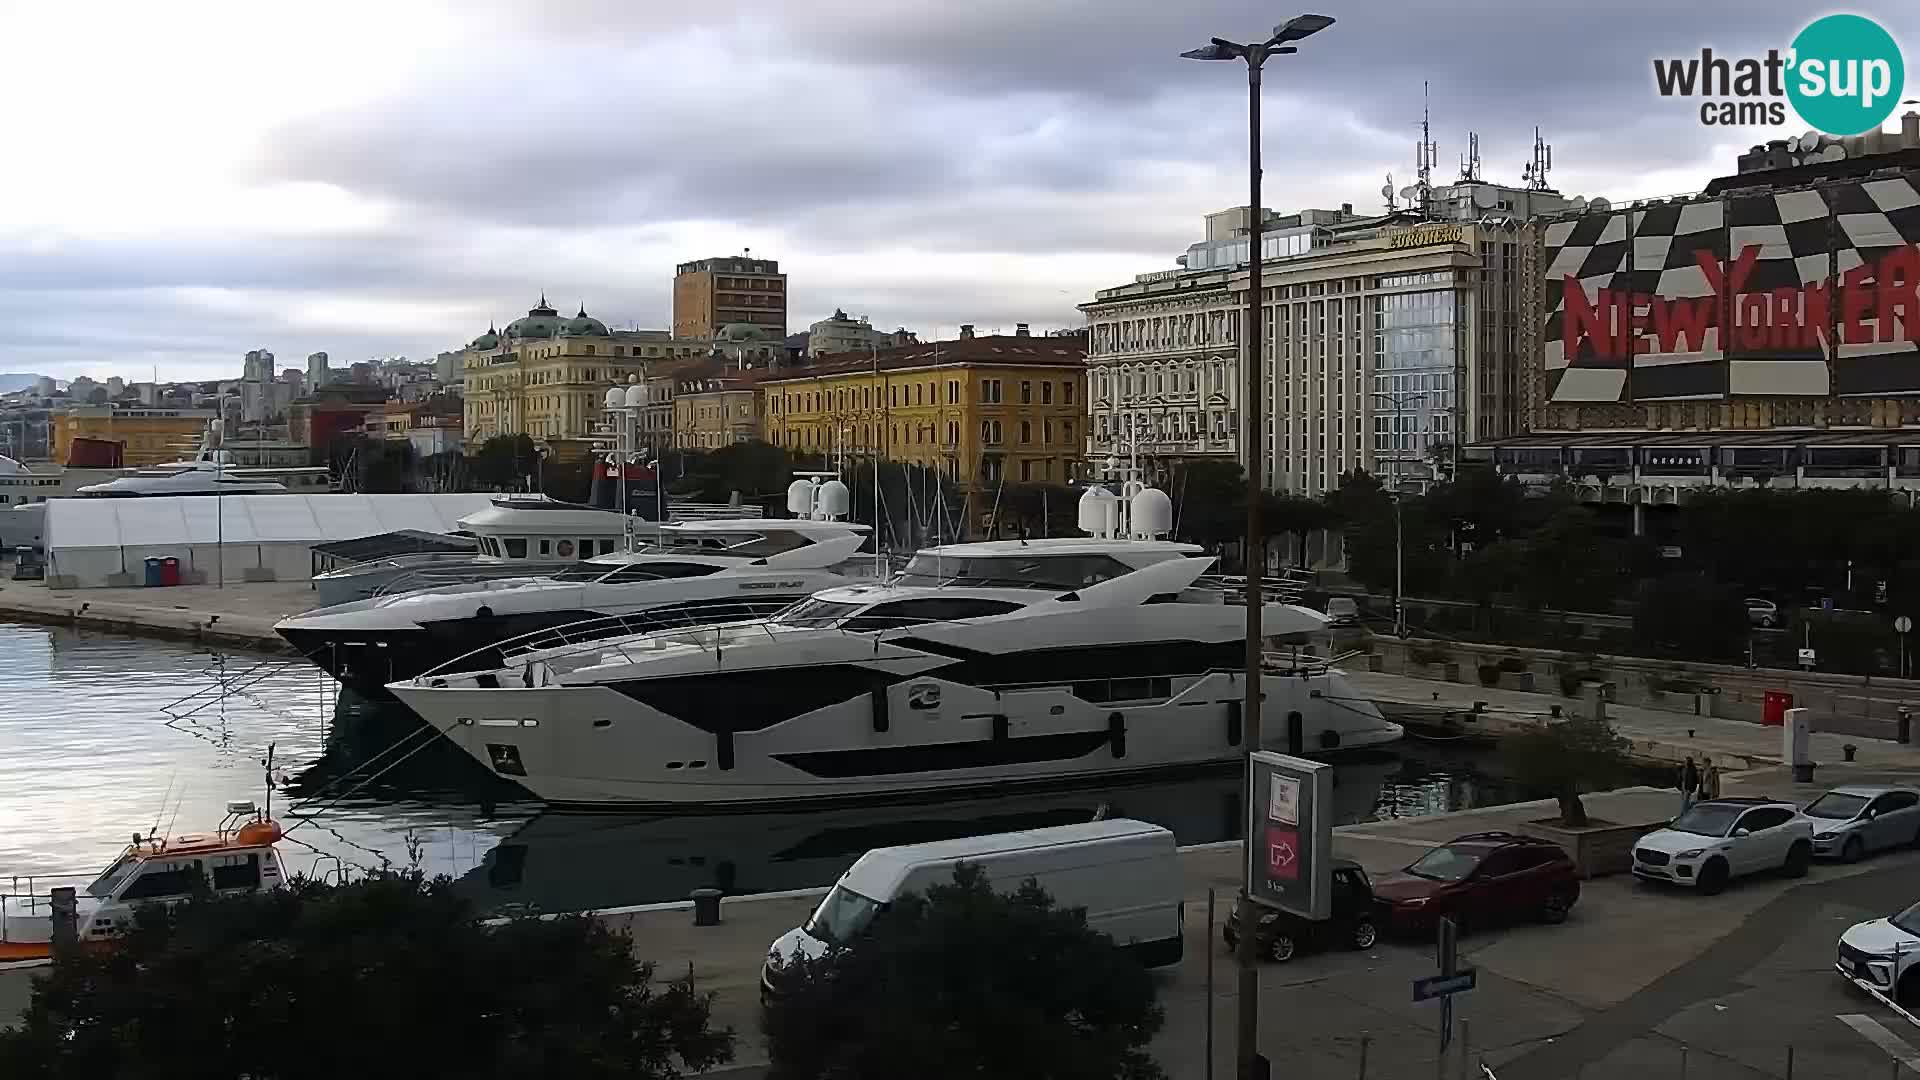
point(1282, 935)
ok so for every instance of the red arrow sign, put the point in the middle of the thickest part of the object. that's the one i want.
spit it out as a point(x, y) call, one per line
point(1283, 853)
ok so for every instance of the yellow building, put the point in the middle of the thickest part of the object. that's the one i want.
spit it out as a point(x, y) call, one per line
point(979, 409)
point(148, 436)
point(547, 376)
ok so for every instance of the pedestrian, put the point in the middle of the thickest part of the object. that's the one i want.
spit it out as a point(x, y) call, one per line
point(1689, 784)
point(1710, 781)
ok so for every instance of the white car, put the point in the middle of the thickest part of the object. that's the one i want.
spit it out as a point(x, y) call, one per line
point(1882, 953)
point(1859, 819)
point(1720, 839)
point(1763, 613)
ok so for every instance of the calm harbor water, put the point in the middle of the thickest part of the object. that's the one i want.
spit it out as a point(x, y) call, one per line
point(102, 736)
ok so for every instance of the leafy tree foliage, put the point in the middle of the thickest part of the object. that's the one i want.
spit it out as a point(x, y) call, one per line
point(392, 976)
point(965, 982)
point(1037, 510)
point(911, 500)
point(1569, 758)
point(1691, 615)
point(505, 462)
point(753, 469)
point(1209, 502)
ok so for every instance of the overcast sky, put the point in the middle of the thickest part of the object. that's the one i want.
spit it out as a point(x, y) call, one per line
point(186, 181)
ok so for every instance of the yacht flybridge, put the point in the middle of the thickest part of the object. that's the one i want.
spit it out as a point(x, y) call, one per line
point(691, 573)
point(979, 666)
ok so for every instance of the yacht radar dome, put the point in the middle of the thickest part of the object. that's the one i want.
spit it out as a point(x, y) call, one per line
point(800, 498)
point(834, 499)
point(636, 396)
point(615, 397)
point(1152, 513)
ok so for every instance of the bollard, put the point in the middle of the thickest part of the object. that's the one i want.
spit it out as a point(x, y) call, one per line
point(1849, 750)
point(1789, 1061)
point(66, 920)
point(1905, 724)
point(706, 907)
point(1365, 1041)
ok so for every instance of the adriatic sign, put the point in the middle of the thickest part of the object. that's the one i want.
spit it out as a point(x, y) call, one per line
point(1425, 235)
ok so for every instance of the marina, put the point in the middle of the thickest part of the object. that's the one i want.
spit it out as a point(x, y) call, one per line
point(102, 735)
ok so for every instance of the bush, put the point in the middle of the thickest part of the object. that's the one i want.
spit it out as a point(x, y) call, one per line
point(393, 976)
point(1427, 654)
point(964, 982)
point(1489, 674)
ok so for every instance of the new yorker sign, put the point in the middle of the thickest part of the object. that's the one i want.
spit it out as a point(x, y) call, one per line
point(1424, 236)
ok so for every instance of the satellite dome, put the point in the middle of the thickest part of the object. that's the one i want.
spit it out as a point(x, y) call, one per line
point(1097, 511)
point(835, 499)
point(1152, 513)
point(636, 396)
point(616, 396)
point(800, 498)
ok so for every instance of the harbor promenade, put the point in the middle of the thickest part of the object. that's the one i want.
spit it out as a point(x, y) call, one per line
point(237, 615)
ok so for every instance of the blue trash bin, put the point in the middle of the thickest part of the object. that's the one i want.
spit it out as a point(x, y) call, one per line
point(155, 571)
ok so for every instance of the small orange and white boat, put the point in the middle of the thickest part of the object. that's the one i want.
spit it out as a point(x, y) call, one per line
point(239, 856)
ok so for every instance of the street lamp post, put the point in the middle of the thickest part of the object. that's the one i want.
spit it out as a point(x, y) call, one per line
point(1399, 403)
point(1252, 346)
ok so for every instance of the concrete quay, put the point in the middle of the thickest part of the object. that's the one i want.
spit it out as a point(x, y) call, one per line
point(236, 615)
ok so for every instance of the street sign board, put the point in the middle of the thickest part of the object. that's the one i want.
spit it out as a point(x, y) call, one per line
point(1806, 656)
point(1434, 986)
point(1290, 835)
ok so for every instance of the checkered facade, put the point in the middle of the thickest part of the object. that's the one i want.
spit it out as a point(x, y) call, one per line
point(1767, 327)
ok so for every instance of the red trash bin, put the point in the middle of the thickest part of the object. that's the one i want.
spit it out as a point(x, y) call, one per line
point(1773, 707)
point(170, 571)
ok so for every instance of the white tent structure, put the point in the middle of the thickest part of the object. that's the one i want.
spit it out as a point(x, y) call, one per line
point(94, 543)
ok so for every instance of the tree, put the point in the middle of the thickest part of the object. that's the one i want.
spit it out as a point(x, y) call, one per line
point(504, 462)
point(754, 469)
point(1209, 502)
point(1690, 615)
point(399, 971)
point(1568, 758)
point(965, 982)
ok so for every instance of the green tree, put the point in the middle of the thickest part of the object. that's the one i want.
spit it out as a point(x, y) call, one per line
point(504, 462)
point(1567, 758)
point(1038, 510)
point(389, 977)
point(1689, 615)
point(1209, 502)
point(753, 469)
point(966, 982)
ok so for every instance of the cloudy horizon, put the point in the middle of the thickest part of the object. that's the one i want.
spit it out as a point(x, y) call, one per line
point(375, 179)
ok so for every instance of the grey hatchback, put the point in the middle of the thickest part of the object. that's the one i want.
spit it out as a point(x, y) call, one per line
point(1853, 821)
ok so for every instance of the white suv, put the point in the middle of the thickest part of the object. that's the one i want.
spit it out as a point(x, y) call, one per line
point(1883, 953)
point(1721, 839)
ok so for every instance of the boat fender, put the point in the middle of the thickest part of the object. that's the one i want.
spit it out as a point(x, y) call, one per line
point(1000, 727)
point(880, 720)
point(1117, 734)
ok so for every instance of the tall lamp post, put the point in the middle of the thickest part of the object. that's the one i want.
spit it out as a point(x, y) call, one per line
point(1399, 403)
point(1253, 350)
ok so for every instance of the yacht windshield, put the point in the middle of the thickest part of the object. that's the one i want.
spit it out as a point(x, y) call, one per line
point(104, 886)
point(1707, 820)
point(1013, 571)
point(584, 571)
point(1837, 806)
point(841, 916)
point(816, 613)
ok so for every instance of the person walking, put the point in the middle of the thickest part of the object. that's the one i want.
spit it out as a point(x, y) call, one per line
point(1710, 781)
point(1689, 784)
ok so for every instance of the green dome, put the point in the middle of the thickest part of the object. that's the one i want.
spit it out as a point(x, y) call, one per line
point(585, 325)
point(488, 340)
point(540, 321)
point(740, 331)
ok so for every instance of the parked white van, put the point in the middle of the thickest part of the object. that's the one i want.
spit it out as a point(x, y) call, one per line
point(1125, 873)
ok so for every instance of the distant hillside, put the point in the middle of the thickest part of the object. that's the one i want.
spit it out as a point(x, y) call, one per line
point(10, 383)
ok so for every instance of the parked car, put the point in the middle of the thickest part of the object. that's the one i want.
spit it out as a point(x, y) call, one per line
point(1342, 611)
point(1763, 613)
point(1283, 935)
point(1718, 840)
point(1481, 879)
point(1884, 954)
point(1854, 821)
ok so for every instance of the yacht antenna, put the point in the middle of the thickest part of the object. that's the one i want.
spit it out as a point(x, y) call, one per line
point(269, 778)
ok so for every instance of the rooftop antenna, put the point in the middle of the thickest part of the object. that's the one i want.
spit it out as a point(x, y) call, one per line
point(1535, 174)
point(1386, 192)
point(1470, 165)
point(1425, 152)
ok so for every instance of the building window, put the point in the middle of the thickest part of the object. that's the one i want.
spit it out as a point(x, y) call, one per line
point(1066, 393)
point(1026, 431)
point(1046, 393)
point(953, 392)
point(1046, 429)
point(990, 391)
point(1026, 392)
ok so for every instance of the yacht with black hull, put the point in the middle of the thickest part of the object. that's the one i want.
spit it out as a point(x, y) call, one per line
point(986, 666)
point(693, 573)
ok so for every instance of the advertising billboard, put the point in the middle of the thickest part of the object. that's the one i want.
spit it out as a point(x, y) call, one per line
point(1800, 292)
point(1290, 835)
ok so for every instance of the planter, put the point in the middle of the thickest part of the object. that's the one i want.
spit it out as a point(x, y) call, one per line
point(1598, 848)
point(1517, 680)
point(257, 573)
point(1451, 672)
point(1376, 662)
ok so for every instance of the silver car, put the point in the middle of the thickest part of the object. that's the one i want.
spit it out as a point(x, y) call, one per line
point(1853, 821)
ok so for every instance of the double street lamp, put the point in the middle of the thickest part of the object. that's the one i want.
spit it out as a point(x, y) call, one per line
point(1399, 403)
point(1253, 352)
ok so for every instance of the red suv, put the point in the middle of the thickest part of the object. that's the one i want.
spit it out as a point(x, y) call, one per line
point(1481, 879)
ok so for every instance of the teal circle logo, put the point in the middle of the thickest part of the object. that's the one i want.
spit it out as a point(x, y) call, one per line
point(1846, 74)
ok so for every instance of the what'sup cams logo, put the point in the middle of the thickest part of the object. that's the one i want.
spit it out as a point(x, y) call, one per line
point(1843, 74)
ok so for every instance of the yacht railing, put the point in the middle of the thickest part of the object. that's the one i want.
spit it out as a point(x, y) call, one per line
point(441, 577)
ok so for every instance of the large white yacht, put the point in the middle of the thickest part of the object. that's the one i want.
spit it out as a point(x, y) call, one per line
point(691, 573)
point(979, 666)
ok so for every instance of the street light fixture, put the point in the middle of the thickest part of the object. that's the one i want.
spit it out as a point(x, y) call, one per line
point(1399, 403)
point(1253, 349)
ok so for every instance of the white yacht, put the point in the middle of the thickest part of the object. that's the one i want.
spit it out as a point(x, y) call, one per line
point(979, 667)
point(692, 573)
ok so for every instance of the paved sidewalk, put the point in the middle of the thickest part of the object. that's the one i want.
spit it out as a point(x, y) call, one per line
point(1659, 735)
point(239, 614)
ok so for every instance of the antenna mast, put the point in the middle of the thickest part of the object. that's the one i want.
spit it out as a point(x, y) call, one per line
point(1536, 171)
point(1425, 153)
point(1470, 165)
